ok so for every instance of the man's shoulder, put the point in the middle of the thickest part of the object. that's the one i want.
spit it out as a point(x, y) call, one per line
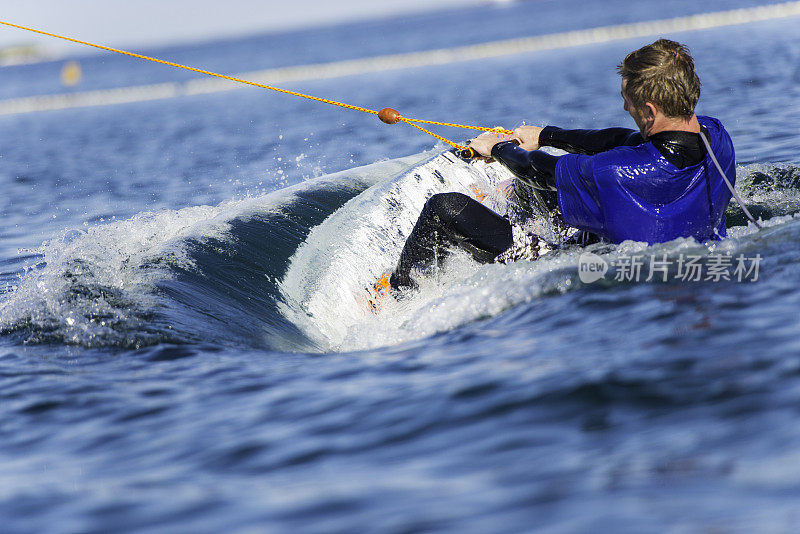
point(713, 125)
point(707, 120)
point(720, 138)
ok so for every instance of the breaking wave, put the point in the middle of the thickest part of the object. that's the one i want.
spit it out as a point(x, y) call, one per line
point(286, 270)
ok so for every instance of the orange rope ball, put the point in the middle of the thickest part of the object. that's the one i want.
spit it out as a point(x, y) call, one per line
point(389, 115)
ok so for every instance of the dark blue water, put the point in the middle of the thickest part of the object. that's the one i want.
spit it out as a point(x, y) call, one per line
point(151, 379)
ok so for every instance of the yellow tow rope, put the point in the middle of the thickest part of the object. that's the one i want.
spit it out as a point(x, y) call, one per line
point(387, 115)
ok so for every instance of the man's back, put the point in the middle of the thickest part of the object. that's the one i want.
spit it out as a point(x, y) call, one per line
point(636, 193)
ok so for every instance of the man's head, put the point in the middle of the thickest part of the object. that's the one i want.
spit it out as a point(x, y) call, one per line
point(659, 78)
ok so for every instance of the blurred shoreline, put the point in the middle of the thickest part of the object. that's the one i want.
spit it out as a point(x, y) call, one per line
point(23, 54)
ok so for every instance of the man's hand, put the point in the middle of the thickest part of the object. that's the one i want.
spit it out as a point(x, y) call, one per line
point(528, 137)
point(484, 143)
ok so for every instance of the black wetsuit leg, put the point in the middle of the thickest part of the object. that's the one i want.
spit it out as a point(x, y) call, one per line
point(447, 220)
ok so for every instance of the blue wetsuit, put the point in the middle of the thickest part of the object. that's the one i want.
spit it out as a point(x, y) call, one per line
point(620, 187)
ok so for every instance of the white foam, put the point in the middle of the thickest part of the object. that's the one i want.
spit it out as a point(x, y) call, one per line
point(94, 279)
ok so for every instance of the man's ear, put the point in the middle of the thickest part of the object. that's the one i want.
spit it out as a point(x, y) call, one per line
point(650, 111)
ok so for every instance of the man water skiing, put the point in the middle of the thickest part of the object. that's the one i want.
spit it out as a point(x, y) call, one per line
point(654, 185)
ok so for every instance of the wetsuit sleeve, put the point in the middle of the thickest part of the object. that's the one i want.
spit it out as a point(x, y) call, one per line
point(578, 193)
point(533, 167)
point(589, 142)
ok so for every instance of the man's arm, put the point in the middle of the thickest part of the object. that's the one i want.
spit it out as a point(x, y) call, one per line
point(587, 142)
point(535, 168)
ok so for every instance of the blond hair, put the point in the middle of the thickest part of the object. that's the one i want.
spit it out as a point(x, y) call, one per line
point(662, 73)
